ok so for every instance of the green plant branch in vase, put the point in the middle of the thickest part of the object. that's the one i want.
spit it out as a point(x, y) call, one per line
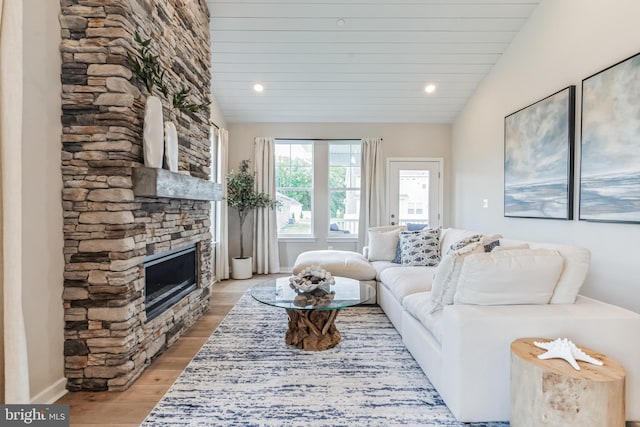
point(146, 66)
point(242, 196)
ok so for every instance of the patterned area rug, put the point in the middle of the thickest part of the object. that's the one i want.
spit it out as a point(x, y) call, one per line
point(245, 375)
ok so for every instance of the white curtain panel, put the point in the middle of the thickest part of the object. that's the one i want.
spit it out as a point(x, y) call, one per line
point(16, 368)
point(222, 211)
point(372, 199)
point(266, 258)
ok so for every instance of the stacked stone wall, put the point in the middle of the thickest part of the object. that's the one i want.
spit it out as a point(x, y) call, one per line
point(108, 231)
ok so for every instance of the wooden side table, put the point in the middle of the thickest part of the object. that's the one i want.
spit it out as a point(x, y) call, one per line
point(551, 393)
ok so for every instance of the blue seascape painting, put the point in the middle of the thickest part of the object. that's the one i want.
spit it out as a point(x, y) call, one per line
point(537, 165)
point(610, 165)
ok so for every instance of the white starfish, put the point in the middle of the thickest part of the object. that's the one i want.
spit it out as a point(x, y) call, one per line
point(563, 348)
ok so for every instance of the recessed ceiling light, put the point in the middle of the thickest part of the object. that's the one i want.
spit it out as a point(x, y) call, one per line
point(258, 87)
point(430, 88)
point(340, 22)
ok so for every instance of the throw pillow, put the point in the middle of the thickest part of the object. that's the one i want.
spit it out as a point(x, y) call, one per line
point(490, 242)
point(524, 276)
point(420, 248)
point(447, 275)
point(383, 242)
point(410, 227)
point(463, 242)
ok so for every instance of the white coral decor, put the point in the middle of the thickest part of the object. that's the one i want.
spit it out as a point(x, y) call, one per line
point(563, 348)
point(311, 278)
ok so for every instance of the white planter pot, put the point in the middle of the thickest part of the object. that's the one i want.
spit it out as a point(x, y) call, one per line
point(153, 136)
point(170, 147)
point(241, 268)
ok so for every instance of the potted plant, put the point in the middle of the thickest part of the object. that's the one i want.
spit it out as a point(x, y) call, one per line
point(242, 196)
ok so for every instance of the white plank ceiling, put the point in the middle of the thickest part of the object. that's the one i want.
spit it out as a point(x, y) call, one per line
point(356, 60)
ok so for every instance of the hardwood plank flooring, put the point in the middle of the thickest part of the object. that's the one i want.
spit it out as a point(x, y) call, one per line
point(129, 408)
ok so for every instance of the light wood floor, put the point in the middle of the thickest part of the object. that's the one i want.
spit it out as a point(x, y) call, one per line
point(129, 408)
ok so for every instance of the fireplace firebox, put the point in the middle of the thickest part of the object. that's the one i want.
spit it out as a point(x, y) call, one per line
point(169, 276)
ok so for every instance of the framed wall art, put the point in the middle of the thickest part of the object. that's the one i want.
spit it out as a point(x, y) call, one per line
point(610, 144)
point(538, 158)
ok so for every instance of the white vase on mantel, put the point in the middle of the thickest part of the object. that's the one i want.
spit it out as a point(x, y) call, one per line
point(153, 136)
point(170, 147)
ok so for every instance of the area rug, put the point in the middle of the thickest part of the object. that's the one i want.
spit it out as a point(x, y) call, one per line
point(245, 375)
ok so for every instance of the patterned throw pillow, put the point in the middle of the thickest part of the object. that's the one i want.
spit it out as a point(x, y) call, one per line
point(410, 227)
point(463, 242)
point(490, 242)
point(420, 248)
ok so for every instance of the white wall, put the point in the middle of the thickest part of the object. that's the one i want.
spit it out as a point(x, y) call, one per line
point(400, 140)
point(43, 262)
point(562, 43)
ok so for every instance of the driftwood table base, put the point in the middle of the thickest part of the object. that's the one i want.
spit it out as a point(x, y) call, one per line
point(312, 330)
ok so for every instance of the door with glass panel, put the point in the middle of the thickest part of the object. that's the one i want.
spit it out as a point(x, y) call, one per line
point(414, 190)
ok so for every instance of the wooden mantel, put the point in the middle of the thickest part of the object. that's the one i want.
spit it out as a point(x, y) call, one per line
point(154, 182)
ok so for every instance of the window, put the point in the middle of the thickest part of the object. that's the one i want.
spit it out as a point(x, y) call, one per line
point(294, 187)
point(318, 186)
point(344, 188)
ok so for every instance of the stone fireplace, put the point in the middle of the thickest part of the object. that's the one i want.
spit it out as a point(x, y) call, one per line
point(114, 233)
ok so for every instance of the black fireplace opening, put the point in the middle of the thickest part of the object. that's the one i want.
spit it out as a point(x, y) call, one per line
point(168, 277)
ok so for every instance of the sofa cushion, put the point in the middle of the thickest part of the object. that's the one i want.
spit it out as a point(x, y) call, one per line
point(447, 275)
point(420, 248)
point(419, 306)
point(525, 276)
point(403, 281)
point(383, 242)
point(339, 263)
point(380, 266)
point(574, 273)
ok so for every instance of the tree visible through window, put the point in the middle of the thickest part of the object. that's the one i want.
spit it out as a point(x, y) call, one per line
point(294, 187)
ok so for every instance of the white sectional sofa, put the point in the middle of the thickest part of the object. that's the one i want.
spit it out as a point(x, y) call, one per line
point(464, 349)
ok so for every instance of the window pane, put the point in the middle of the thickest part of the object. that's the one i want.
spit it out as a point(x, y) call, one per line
point(294, 183)
point(354, 177)
point(300, 177)
point(294, 213)
point(344, 188)
point(414, 197)
point(283, 154)
point(338, 176)
point(355, 154)
point(301, 155)
point(344, 212)
point(340, 154)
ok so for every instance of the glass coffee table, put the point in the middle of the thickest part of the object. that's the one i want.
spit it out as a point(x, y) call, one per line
point(312, 314)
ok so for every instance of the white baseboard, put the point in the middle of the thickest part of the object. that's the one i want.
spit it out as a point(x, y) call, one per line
point(286, 269)
point(51, 394)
